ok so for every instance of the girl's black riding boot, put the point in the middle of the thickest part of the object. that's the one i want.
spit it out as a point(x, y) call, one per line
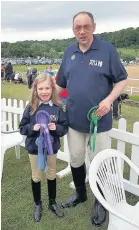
point(53, 206)
point(36, 190)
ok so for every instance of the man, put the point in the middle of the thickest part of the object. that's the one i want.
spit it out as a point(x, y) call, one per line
point(115, 110)
point(117, 104)
point(8, 72)
point(89, 69)
point(31, 77)
point(29, 70)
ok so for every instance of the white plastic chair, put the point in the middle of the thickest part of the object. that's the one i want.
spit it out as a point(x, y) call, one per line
point(10, 139)
point(106, 171)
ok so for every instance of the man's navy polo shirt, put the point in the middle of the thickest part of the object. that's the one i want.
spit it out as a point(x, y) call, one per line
point(89, 78)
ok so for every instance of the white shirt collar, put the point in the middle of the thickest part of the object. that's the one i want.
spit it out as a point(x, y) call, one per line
point(50, 103)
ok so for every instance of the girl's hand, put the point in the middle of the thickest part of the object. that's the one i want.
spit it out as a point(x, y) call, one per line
point(52, 126)
point(36, 127)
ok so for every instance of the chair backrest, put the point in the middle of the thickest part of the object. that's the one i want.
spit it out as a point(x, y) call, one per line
point(106, 171)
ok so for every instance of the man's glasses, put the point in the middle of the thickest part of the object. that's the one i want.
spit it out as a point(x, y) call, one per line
point(86, 28)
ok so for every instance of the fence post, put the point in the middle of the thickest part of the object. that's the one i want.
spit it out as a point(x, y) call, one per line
point(3, 114)
point(131, 90)
point(10, 115)
point(15, 115)
point(135, 155)
point(121, 144)
point(21, 105)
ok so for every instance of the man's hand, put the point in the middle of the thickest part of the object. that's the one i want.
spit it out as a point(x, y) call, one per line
point(36, 127)
point(52, 126)
point(54, 80)
point(104, 107)
point(59, 89)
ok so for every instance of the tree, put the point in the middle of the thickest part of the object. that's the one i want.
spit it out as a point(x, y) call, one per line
point(52, 53)
point(54, 49)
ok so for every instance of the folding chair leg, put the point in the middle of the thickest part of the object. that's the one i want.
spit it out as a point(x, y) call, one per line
point(2, 160)
point(17, 151)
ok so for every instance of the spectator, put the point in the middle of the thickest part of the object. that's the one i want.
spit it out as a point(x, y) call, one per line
point(115, 110)
point(28, 71)
point(8, 72)
point(117, 105)
point(49, 70)
point(2, 71)
point(18, 79)
point(32, 77)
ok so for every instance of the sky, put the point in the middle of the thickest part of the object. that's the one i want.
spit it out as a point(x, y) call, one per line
point(45, 20)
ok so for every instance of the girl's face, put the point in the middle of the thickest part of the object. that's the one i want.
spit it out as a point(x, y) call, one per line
point(44, 91)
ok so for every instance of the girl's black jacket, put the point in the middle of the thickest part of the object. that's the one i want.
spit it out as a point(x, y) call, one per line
point(57, 116)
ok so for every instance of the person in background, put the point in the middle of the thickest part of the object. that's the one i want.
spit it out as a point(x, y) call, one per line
point(117, 105)
point(2, 71)
point(29, 70)
point(18, 79)
point(32, 77)
point(49, 70)
point(8, 72)
point(115, 110)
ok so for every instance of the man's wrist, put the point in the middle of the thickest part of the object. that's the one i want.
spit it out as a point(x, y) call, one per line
point(111, 98)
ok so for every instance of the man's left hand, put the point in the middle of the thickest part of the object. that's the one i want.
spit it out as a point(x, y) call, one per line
point(104, 107)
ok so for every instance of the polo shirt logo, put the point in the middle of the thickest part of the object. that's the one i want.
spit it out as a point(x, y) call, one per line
point(96, 63)
point(72, 57)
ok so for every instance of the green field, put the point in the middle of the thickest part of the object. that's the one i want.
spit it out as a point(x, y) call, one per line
point(127, 50)
point(16, 208)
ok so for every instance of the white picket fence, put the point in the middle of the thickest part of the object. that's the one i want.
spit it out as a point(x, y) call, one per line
point(12, 110)
point(132, 90)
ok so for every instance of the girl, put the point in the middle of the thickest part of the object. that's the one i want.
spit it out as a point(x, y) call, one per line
point(44, 97)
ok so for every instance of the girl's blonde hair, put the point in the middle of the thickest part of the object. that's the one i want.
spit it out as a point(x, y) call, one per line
point(35, 100)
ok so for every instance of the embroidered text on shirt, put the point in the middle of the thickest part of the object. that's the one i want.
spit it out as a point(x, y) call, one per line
point(96, 63)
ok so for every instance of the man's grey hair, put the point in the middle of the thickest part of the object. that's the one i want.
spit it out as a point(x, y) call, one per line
point(84, 12)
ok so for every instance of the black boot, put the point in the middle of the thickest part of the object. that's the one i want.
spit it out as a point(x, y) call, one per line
point(36, 189)
point(53, 206)
point(99, 213)
point(79, 175)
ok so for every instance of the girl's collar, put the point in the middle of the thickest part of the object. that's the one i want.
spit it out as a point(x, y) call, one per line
point(50, 103)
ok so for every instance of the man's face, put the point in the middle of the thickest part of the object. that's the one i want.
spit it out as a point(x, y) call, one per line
point(83, 29)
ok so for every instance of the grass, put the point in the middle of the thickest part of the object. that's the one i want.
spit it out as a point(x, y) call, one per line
point(128, 51)
point(134, 97)
point(16, 190)
point(15, 91)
